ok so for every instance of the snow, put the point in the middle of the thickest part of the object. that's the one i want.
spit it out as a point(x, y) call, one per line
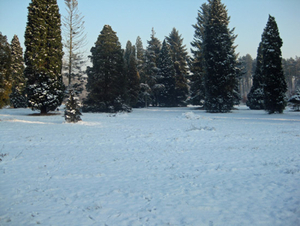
point(156, 166)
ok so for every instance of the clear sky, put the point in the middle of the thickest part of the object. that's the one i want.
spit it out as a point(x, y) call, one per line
point(132, 18)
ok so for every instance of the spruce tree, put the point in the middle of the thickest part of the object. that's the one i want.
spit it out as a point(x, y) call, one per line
point(274, 80)
point(5, 71)
point(17, 97)
point(179, 57)
point(255, 98)
point(152, 53)
point(140, 58)
point(43, 56)
point(132, 75)
point(166, 78)
point(220, 60)
point(197, 88)
point(72, 112)
point(106, 80)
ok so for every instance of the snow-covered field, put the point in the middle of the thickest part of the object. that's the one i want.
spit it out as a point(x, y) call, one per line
point(156, 166)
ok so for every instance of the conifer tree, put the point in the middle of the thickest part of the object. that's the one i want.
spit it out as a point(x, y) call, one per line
point(256, 94)
point(221, 81)
point(197, 88)
point(132, 75)
point(5, 71)
point(17, 97)
point(106, 80)
point(140, 58)
point(274, 80)
point(179, 57)
point(72, 112)
point(152, 53)
point(43, 56)
point(166, 78)
point(74, 41)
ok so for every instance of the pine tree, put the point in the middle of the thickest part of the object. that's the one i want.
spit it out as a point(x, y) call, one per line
point(197, 88)
point(43, 56)
point(256, 94)
point(274, 80)
point(72, 112)
point(74, 41)
point(152, 53)
point(140, 58)
point(166, 78)
point(106, 80)
point(5, 71)
point(17, 97)
point(221, 81)
point(179, 57)
point(132, 75)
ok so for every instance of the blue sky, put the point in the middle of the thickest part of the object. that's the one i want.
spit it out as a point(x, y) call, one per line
point(132, 18)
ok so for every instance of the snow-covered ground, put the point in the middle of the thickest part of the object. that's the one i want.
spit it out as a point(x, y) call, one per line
point(156, 166)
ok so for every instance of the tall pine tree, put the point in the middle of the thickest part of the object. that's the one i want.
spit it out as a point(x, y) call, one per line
point(5, 71)
point(106, 80)
point(166, 78)
point(179, 57)
point(274, 80)
point(17, 97)
point(132, 75)
point(197, 88)
point(256, 94)
point(220, 60)
point(43, 56)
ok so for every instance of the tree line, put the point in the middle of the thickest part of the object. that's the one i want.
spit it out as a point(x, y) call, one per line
point(162, 74)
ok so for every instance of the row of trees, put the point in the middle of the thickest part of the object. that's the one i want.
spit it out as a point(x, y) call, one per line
point(161, 75)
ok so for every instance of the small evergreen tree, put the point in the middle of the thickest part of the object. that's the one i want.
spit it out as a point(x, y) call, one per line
point(274, 80)
point(106, 80)
point(256, 94)
point(166, 78)
point(43, 56)
point(179, 57)
point(72, 112)
point(5, 71)
point(17, 97)
point(221, 82)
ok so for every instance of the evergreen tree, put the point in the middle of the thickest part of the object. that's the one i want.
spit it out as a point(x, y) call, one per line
point(245, 65)
point(140, 58)
point(197, 88)
point(72, 112)
point(256, 94)
point(221, 80)
point(151, 70)
point(74, 41)
point(5, 71)
point(179, 57)
point(274, 80)
point(17, 97)
point(43, 56)
point(166, 78)
point(132, 75)
point(106, 80)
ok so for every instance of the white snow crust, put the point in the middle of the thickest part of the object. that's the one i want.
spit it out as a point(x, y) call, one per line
point(156, 166)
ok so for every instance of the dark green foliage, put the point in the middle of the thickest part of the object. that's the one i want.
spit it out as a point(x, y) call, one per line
point(106, 79)
point(197, 88)
point(256, 94)
point(274, 80)
point(43, 56)
point(295, 100)
point(165, 87)
point(221, 81)
point(178, 54)
point(152, 54)
point(132, 75)
point(72, 112)
point(17, 97)
point(5, 71)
